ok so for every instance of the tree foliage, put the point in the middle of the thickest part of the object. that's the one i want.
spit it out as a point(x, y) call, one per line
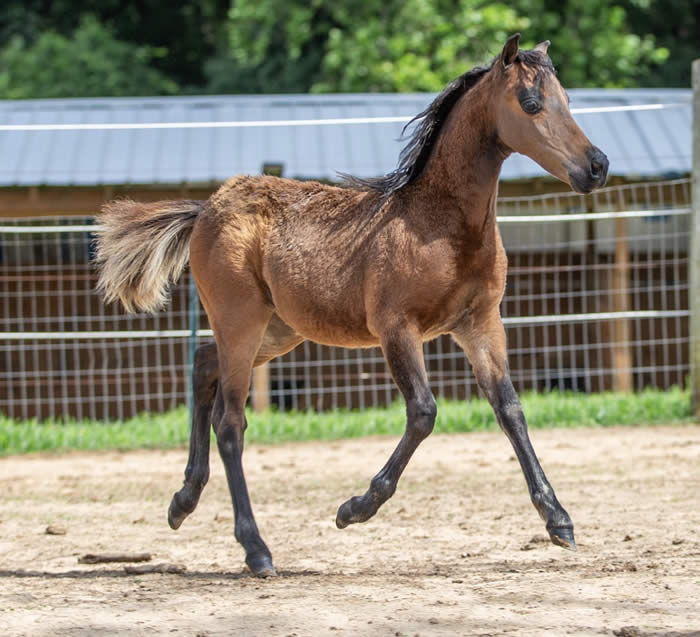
point(418, 46)
point(129, 47)
point(90, 63)
point(186, 32)
point(676, 26)
point(407, 45)
point(592, 44)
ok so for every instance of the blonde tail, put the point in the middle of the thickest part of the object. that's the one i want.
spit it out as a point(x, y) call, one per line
point(142, 248)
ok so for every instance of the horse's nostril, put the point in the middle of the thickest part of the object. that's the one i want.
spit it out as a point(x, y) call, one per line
point(596, 168)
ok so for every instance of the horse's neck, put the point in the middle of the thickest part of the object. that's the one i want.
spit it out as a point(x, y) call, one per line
point(464, 170)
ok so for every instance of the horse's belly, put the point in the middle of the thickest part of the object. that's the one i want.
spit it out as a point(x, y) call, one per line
point(322, 314)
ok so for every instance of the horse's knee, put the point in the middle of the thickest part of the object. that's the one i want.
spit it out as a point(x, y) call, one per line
point(422, 413)
point(227, 440)
point(229, 434)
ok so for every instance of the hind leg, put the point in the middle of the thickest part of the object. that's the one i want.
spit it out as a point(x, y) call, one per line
point(279, 339)
point(239, 334)
point(205, 375)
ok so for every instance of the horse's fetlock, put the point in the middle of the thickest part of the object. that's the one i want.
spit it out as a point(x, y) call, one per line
point(197, 475)
point(244, 528)
point(383, 488)
point(183, 500)
point(544, 502)
point(201, 478)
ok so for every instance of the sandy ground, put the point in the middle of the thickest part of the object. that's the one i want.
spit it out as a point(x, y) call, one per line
point(455, 552)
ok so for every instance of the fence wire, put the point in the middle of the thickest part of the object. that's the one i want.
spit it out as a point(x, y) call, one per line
point(593, 302)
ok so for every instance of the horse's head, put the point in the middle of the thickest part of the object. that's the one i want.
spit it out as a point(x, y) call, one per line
point(533, 118)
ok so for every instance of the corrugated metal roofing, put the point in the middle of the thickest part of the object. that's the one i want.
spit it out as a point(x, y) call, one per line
point(639, 143)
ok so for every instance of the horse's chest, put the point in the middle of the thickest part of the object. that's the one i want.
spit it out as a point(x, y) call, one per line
point(439, 313)
point(462, 286)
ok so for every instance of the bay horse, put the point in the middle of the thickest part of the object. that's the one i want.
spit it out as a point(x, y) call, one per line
point(391, 261)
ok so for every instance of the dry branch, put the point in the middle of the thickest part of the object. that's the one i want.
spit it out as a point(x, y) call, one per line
point(103, 558)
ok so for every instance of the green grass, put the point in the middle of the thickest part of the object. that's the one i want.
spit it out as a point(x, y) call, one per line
point(554, 409)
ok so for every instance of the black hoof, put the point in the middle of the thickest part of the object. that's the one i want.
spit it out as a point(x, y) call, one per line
point(260, 565)
point(563, 536)
point(344, 516)
point(353, 511)
point(359, 508)
point(176, 515)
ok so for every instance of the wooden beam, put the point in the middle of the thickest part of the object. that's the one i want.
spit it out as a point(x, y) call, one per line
point(622, 352)
point(261, 387)
point(49, 201)
point(694, 263)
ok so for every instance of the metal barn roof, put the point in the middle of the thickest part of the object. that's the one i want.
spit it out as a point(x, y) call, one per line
point(648, 143)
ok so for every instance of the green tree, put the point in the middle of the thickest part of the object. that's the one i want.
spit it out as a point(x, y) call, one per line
point(283, 46)
point(415, 46)
point(92, 62)
point(274, 46)
point(406, 45)
point(676, 27)
point(593, 44)
point(186, 32)
point(301, 45)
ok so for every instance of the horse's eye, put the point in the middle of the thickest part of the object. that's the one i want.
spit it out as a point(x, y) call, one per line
point(531, 106)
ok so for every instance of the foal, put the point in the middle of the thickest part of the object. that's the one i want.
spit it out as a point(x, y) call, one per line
point(392, 261)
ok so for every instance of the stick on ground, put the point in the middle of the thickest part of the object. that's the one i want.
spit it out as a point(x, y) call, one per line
point(103, 558)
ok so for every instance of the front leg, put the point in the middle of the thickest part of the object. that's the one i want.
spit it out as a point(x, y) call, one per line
point(403, 351)
point(484, 342)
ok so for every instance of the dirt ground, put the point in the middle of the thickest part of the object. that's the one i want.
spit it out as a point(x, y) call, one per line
point(457, 551)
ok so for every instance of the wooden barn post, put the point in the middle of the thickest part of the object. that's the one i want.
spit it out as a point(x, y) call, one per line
point(694, 263)
point(261, 387)
point(622, 350)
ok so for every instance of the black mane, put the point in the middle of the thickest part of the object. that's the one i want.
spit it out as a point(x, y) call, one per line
point(415, 154)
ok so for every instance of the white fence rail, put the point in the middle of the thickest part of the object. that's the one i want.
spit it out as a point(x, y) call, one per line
point(285, 123)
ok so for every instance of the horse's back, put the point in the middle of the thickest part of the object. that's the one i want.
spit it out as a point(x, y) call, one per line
point(298, 242)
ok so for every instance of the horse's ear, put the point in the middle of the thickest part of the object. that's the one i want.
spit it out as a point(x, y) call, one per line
point(510, 50)
point(543, 46)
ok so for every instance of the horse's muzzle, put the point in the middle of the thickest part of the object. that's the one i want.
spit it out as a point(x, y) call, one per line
point(593, 174)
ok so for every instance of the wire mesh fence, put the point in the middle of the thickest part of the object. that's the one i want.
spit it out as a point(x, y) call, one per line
point(596, 299)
